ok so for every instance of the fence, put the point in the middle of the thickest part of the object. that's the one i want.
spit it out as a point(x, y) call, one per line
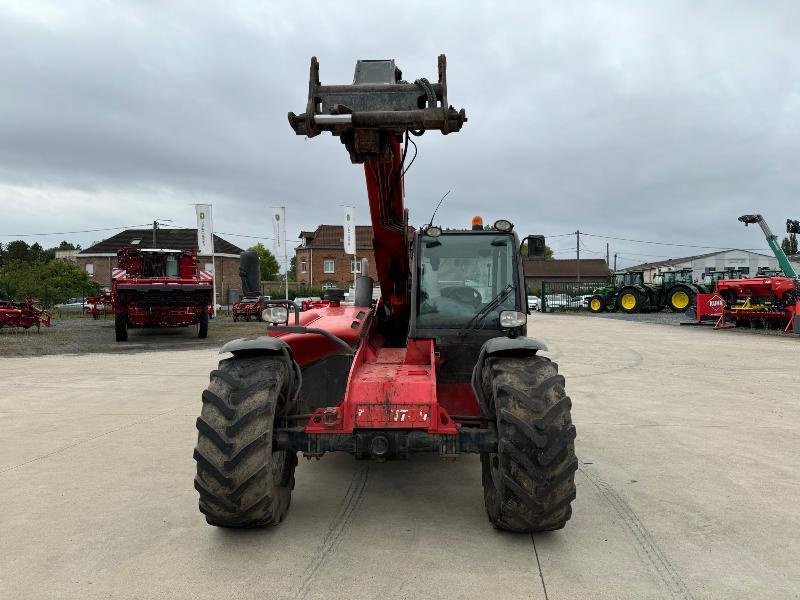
point(567, 295)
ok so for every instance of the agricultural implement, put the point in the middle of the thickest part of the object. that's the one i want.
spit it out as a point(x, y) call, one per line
point(160, 288)
point(101, 305)
point(249, 308)
point(440, 364)
point(25, 314)
point(771, 300)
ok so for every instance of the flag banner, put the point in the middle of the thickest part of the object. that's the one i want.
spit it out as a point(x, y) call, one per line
point(279, 230)
point(349, 231)
point(205, 230)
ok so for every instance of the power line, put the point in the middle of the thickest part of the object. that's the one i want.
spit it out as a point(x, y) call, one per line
point(21, 235)
point(255, 237)
point(609, 237)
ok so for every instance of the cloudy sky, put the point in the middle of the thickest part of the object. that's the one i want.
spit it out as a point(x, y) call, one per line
point(659, 121)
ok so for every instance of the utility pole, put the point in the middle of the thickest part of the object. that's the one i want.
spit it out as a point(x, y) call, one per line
point(615, 262)
point(608, 262)
point(155, 227)
point(578, 252)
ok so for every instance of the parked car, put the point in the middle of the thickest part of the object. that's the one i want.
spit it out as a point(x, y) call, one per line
point(71, 304)
point(534, 303)
point(562, 301)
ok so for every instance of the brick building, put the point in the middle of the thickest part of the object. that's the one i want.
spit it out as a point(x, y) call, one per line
point(99, 259)
point(320, 259)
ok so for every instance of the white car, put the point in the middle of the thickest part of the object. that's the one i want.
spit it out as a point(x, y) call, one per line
point(562, 301)
point(71, 304)
point(534, 303)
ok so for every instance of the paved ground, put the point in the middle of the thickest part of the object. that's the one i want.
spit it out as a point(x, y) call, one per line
point(687, 486)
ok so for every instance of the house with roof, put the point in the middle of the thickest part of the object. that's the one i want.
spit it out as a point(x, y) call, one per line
point(746, 262)
point(587, 270)
point(99, 259)
point(320, 260)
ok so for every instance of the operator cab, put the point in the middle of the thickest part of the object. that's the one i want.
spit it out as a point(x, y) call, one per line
point(160, 263)
point(468, 281)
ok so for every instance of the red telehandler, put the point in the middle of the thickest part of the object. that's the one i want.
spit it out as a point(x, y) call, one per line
point(441, 363)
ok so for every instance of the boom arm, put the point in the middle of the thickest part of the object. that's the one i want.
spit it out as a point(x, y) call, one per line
point(772, 240)
point(371, 116)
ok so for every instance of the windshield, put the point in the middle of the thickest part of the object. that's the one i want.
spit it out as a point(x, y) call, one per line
point(461, 274)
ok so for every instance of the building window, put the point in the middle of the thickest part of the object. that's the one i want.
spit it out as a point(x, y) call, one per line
point(303, 266)
point(135, 241)
point(327, 265)
point(209, 267)
point(89, 269)
point(355, 266)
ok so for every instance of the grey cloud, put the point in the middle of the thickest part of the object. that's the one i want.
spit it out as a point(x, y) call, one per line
point(658, 120)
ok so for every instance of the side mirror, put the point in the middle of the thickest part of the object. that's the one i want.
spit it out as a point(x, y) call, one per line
point(535, 246)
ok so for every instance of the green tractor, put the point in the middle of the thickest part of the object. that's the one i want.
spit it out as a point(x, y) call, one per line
point(605, 297)
point(678, 289)
point(629, 293)
point(710, 278)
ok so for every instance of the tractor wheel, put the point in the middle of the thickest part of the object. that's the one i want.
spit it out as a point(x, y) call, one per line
point(630, 300)
point(121, 327)
point(529, 484)
point(202, 325)
point(680, 299)
point(235, 318)
point(242, 480)
point(596, 304)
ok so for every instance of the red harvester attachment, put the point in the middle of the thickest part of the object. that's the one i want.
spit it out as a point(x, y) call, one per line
point(160, 288)
point(23, 314)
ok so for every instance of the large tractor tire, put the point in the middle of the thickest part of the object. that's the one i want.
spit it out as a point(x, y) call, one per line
point(680, 299)
point(202, 325)
point(597, 304)
point(530, 482)
point(121, 327)
point(242, 480)
point(630, 300)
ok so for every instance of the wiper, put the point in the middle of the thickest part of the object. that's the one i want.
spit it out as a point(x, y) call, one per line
point(476, 320)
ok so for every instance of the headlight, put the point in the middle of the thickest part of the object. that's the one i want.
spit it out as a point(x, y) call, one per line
point(275, 314)
point(512, 318)
point(503, 225)
point(433, 231)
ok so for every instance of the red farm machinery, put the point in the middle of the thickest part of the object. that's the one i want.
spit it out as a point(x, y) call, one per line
point(160, 288)
point(768, 299)
point(100, 305)
point(251, 305)
point(441, 363)
point(24, 314)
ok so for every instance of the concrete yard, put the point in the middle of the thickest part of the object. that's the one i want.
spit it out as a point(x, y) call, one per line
point(687, 488)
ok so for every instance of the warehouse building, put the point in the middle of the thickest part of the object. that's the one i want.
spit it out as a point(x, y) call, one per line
point(588, 270)
point(743, 261)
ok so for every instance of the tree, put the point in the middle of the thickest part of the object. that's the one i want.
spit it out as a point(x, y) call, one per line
point(268, 264)
point(17, 250)
point(51, 282)
point(293, 269)
point(789, 245)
